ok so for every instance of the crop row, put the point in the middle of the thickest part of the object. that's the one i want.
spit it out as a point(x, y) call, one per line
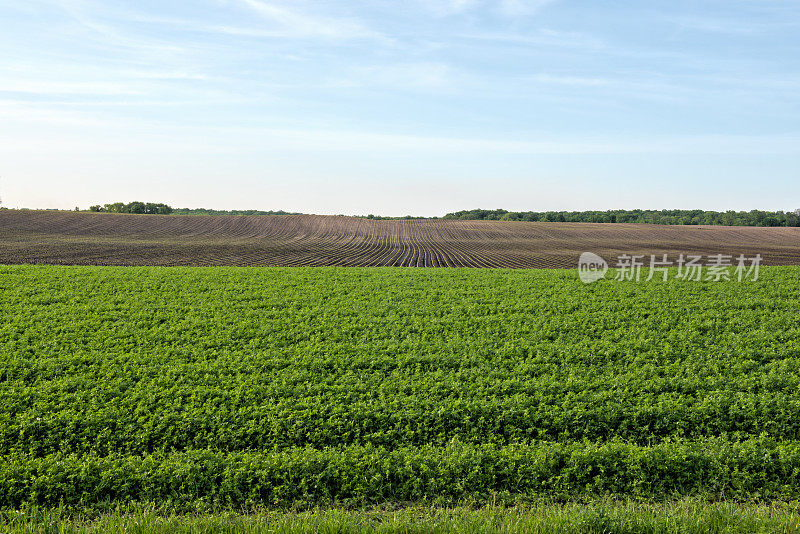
point(286, 385)
point(155, 416)
point(742, 470)
point(143, 360)
point(315, 240)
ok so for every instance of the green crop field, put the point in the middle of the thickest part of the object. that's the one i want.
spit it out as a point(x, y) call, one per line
point(234, 388)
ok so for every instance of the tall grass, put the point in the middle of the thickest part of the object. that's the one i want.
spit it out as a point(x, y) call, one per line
point(685, 516)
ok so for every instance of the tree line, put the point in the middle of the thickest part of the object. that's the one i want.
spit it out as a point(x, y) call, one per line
point(670, 217)
point(206, 211)
point(150, 208)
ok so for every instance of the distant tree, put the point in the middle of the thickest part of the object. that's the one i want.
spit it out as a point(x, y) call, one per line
point(686, 217)
point(135, 207)
point(157, 209)
point(116, 207)
point(205, 211)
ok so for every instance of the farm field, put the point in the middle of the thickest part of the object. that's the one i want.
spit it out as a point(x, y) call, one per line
point(46, 237)
point(233, 388)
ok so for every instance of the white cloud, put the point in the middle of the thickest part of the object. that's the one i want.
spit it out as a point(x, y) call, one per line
point(443, 8)
point(541, 37)
point(523, 7)
point(505, 7)
point(163, 75)
point(51, 87)
point(293, 23)
point(414, 75)
point(112, 35)
point(570, 80)
point(734, 26)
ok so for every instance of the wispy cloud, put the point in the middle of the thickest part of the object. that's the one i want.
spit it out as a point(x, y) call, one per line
point(295, 23)
point(443, 8)
point(50, 87)
point(504, 7)
point(400, 76)
point(579, 81)
point(112, 35)
point(164, 75)
point(523, 7)
point(732, 26)
point(540, 37)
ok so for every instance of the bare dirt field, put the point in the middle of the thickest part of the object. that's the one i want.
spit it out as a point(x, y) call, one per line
point(55, 237)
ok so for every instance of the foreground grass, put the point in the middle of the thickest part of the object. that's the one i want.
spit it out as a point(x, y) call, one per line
point(686, 516)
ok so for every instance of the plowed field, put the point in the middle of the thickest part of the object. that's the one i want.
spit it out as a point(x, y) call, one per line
point(314, 240)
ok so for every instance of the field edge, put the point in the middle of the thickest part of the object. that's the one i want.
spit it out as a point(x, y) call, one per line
point(602, 515)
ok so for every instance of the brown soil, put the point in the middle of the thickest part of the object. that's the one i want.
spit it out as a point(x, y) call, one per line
point(54, 237)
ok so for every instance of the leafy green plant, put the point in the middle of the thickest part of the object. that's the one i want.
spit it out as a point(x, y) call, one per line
point(296, 387)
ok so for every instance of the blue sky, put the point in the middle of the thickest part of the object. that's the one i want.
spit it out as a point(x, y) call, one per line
point(414, 107)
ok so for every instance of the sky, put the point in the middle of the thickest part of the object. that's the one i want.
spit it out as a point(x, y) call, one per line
point(418, 107)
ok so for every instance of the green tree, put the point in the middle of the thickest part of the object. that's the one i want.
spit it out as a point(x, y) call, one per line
point(135, 207)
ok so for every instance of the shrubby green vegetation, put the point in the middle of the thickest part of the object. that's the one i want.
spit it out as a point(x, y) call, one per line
point(164, 209)
point(149, 208)
point(234, 388)
point(672, 217)
point(669, 217)
point(387, 218)
point(205, 211)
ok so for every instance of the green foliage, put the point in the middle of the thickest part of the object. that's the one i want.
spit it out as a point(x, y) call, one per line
point(670, 217)
point(298, 387)
point(388, 218)
point(148, 208)
point(205, 211)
